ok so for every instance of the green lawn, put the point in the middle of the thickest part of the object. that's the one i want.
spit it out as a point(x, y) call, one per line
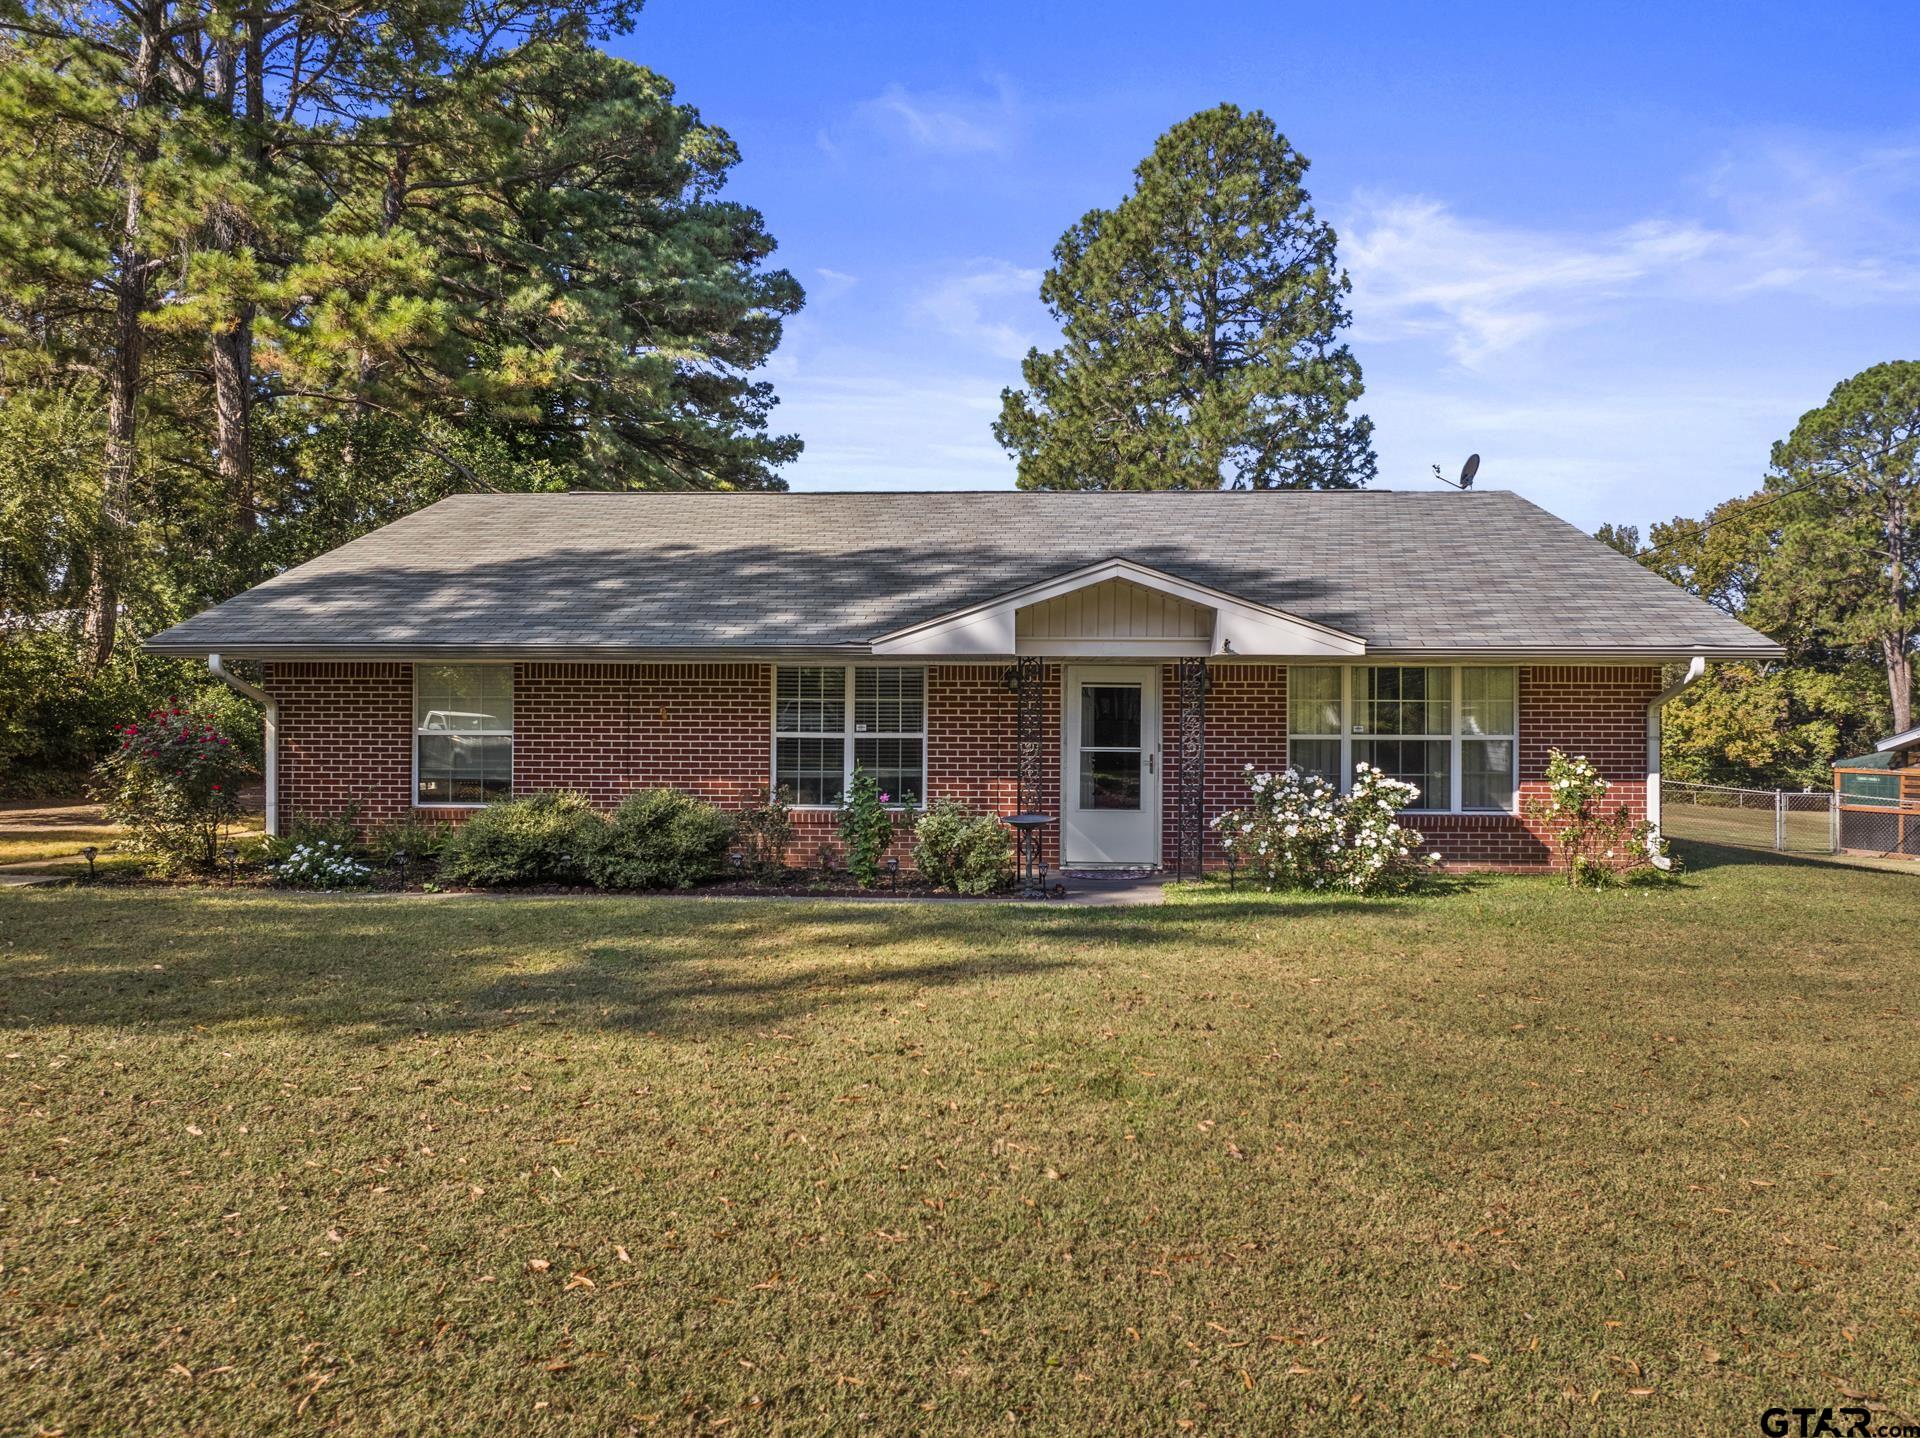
point(1504, 1159)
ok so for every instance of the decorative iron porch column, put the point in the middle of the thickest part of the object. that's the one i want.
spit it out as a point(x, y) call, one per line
point(1190, 770)
point(1027, 679)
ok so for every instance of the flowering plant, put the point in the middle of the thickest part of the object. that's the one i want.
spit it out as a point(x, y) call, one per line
point(1299, 831)
point(866, 827)
point(1598, 843)
point(174, 783)
point(323, 864)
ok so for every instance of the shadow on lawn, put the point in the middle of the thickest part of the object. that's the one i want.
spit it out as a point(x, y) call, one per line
point(1698, 857)
point(385, 968)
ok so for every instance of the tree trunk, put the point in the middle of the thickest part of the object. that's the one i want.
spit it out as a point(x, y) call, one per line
point(113, 533)
point(1899, 661)
point(232, 364)
point(231, 343)
point(1897, 644)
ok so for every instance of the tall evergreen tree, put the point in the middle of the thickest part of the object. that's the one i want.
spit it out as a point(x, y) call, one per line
point(282, 247)
point(1845, 567)
point(1202, 321)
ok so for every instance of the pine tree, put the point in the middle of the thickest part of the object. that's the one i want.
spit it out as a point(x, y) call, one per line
point(1202, 320)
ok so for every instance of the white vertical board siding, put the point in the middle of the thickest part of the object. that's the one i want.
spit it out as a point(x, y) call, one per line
point(1115, 609)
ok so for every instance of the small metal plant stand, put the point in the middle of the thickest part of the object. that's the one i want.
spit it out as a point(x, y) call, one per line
point(1031, 873)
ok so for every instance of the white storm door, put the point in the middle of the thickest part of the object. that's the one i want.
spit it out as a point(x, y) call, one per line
point(1110, 770)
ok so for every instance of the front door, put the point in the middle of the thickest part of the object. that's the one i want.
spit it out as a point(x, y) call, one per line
point(1110, 774)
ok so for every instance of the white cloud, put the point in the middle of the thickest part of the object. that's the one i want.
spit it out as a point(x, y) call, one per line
point(990, 305)
point(829, 283)
point(943, 122)
point(1773, 220)
point(871, 430)
point(1418, 268)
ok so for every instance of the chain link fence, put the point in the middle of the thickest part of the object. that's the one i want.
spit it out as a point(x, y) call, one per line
point(1813, 822)
point(1750, 818)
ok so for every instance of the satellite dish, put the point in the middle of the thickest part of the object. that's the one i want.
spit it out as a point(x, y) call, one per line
point(1467, 472)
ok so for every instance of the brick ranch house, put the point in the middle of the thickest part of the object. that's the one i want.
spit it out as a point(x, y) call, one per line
point(1110, 660)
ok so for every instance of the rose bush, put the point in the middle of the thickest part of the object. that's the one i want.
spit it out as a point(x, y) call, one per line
point(1600, 845)
point(1300, 831)
point(174, 784)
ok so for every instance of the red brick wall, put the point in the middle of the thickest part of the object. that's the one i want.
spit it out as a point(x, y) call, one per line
point(608, 729)
point(346, 739)
point(1595, 710)
point(1246, 724)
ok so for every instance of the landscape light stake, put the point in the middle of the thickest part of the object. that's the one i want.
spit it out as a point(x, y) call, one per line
point(825, 857)
point(737, 861)
point(87, 854)
point(232, 856)
point(400, 862)
point(1233, 869)
point(893, 873)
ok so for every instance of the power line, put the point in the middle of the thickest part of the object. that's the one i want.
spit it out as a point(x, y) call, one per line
point(1707, 524)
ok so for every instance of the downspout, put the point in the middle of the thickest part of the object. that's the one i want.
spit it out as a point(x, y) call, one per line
point(271, 738)
point(1695, 668)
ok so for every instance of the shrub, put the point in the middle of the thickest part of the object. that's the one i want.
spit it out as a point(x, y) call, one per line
point(174, 783)
point(959, 848)
point(539, 839)
point(765, 832)
point(422, 840)
point(1600, 846)
point(661, 839)
point(1301, 832)
point(866, 828)
point(322, 864)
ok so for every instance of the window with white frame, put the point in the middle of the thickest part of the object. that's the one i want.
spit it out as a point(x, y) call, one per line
point(462, 733)
point(1314, 725)
point(829, 719)
point(1449, 730)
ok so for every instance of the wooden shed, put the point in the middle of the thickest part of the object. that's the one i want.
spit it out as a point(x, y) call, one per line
point(1878, 798)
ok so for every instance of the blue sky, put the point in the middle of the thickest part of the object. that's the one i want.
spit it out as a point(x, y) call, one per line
point(1617, 249)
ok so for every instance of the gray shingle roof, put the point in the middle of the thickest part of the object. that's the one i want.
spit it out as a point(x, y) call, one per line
point(579, 573)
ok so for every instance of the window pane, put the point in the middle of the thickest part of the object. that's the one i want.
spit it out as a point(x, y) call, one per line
point(1315, 756)
point(889, 701)
point(1313, 699)
point(1487, 701)
point(1426, 764)
point(464, 769)
point(1109, 779)
point(814, 769)
point(464, 698)
point(1110, 716)
point(897, 765)
point(1486, 773)
point(1403, 700)
point(810, 701)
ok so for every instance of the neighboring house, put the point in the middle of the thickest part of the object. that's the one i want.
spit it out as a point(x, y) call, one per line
point(979, 646)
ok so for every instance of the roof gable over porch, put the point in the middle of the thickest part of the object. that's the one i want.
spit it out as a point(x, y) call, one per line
point(1119, 607)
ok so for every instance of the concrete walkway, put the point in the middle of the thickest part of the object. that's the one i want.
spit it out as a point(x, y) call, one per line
point(1114, 891)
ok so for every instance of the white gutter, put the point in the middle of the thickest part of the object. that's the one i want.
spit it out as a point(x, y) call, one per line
point(272, 737)
point(1695, 668)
